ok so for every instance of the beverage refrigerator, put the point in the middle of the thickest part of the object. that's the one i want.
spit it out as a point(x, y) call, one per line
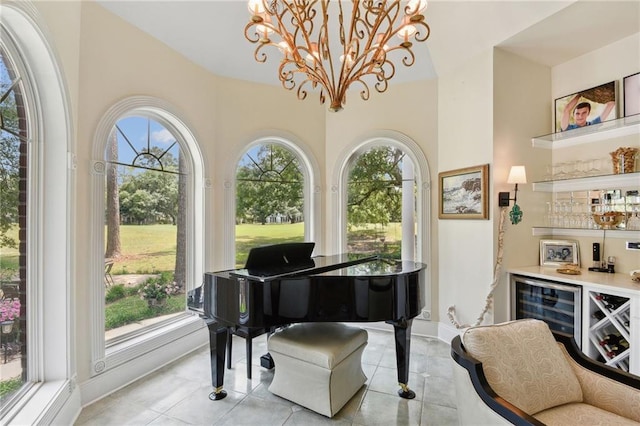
point(559, 305)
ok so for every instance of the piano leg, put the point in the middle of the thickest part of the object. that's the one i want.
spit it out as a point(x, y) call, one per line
point(217, 347)
point(229, 347)
point(402, 331)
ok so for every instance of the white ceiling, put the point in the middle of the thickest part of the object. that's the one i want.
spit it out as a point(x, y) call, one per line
point(211, 32)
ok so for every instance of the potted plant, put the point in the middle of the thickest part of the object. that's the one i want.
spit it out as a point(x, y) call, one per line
point(156, 291)
point(9, 312)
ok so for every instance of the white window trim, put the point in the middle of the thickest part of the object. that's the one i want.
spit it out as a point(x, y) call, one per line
point(50, 218)
point(311, 190)
point(104, 359)
point(340, 179)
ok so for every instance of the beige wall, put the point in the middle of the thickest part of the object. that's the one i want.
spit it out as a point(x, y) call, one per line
point(465, 138)
point(65, 35)
point(521, 109)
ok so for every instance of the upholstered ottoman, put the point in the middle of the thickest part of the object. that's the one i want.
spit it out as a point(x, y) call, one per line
point(318, 365)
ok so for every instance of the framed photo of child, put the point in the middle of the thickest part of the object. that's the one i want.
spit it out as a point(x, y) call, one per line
point(585, 108)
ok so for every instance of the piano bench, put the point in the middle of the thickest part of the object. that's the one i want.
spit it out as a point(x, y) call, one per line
point(318, 365)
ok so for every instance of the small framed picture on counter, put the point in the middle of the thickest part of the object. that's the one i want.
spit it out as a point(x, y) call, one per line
point(559, 252)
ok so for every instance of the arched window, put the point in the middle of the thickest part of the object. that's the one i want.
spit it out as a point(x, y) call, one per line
point(145, 221)
point(381, 200)
point(15, 164)
point(275, 197)
point(149, 225)
point(269, 199)
point(381, 203)
point(35, 128)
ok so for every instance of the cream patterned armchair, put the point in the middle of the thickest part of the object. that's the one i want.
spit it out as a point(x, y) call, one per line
point(520, 372)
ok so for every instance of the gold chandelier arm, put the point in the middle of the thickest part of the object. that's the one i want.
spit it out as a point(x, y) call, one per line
point(410, 60)
point(286, 76)
point(427, 31)
point(364, 92)
point(258, 55)
point(302, 93)
point(248, 36)
point(383, 81)
point(407, 61)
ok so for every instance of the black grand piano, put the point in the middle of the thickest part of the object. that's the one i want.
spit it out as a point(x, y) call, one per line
point(282, 284)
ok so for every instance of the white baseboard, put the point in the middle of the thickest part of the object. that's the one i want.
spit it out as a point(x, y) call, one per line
point(118, 377)
point(419, 327)
point(446, 332)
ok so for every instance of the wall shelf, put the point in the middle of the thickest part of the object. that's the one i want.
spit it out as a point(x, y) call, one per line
point(607, 130)
point(540, 231)
point(622, 180)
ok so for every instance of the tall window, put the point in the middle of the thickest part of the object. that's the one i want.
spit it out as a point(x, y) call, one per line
point(381, 208)
point(269, 199)
point(14, 188)
point(148, 236)
point(145, 227)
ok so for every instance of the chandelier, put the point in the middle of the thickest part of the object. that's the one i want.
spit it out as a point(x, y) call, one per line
point(302, 30)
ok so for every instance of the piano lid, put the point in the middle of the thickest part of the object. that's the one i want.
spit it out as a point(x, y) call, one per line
point(314, 265)
point(377, 267)
point(285, 255)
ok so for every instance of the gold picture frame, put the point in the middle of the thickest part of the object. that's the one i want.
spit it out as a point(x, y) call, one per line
point(464, 193)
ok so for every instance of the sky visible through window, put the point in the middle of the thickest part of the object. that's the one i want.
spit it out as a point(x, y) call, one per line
point(142, 133)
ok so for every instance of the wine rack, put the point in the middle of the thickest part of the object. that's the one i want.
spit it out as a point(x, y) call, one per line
point(609, 331)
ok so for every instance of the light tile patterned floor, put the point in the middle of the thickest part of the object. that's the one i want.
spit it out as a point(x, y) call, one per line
point(178, 393)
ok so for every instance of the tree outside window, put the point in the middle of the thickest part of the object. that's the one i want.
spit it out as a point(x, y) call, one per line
point(269, 199)
point(375, 190)
point(144, 225)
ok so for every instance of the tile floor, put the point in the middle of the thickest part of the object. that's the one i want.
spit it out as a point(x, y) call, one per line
point(178, 393)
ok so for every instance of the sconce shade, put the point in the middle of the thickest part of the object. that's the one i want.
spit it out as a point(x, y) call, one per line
point(518, 174)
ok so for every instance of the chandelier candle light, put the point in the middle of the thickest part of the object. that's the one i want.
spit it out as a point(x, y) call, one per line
point(302, 29)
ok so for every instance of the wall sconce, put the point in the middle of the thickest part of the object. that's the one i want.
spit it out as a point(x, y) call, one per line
point(517, 175)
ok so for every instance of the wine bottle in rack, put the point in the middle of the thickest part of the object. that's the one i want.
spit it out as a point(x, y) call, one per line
point(611, 339)
point(623, 344)
point(618, 348)
point(598, 315)
point(612, 302)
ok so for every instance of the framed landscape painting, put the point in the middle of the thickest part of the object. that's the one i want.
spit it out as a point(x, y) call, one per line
point(464, 193)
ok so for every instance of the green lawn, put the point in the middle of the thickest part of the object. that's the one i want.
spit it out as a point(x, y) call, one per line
point(150, 249)
point(146, 249)
point(252, 235)
point(132, 309)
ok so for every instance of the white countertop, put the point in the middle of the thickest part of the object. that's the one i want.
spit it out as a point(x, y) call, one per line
point(599, 280)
